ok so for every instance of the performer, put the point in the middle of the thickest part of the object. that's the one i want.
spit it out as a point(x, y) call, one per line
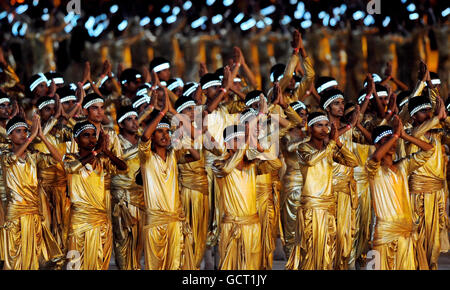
point(427, 183)
point(167, 236)
point(128, 197)
point(395, 237)
point(28, 240)
point(90, 231)
point(316, 248)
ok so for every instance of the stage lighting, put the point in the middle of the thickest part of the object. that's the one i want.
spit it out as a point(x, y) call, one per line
point(216, 19)
point(286, 20)
point(307, 16)
point(23, 30)
point(326, 20)
point(386, 21)
point(158, 21)
point(144, 21)
point(165, 9)
point(358, 15)
point(268, 10)
point(333, 22)
point(176, 10)
point(369, 20)
point(187, 5)
point(113, 9)
point(15, 27)
point(445, 12)
point(45, 17)
point(343, 8)
point(199, 22)
point(238, 17)
point(3, 14)
point(227, 2)
point(89, 23)
point(413, 16)
point(21, 9)
point(268, 21)
point(293, 2)
point(248, 24)
point(35, 2)
point(411, 7)
point(210, 2)
point(171, 19)
point(260, 24)
point(305, 24)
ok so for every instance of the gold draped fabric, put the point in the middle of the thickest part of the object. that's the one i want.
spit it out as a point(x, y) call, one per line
point(266, 212)
point(128, 211)
point(316, 217)
point(90, 230)
point(240, 230)
point(427, 187)
point(291, 191)
point(194, 197)
point(397, 247)
point(27, 241)
point(167, 237)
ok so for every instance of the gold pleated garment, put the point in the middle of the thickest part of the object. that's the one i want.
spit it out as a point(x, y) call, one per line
point(429, 207)
point(240, 243)
point(363, 215)
point(128, 224)
point(167, 241)
point(290, 202)
point(345, 190)
point(316, 248)
point(194, 197)
point(397, 245)
point(266, 212)
point(91, 236)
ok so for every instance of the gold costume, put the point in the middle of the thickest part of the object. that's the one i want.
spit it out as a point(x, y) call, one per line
point(427, 187)
point(28, 242)
point(395, 234)
point(53, 183)
point(128, 211)
point(240, 242)
point(90, 230)
point(167, 236)
point(194, 197)
point(315, 244)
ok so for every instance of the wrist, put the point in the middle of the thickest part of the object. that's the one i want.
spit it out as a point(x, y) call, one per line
point(223, 90)
point(296, 50)
point(95, 153)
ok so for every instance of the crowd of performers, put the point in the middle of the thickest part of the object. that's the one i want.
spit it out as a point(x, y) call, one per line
point(141, 164)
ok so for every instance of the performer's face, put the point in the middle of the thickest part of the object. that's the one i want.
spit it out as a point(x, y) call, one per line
point(422, 116)
point(68, 105)
point(304, 115)
point(130, 124)
point(211, 92)
point(336, 108)
point(384, 100)
point(47, 112)
point(87, 140)
point(142, 107)
point(40, 90)
point(189, 111)
point(164, 75)
point(393, 148)
point(178, 91)
point(19, 136)
point(5, 110)
point(161, 137)
point(319, 130)
point(235, 143)
point(96, 113)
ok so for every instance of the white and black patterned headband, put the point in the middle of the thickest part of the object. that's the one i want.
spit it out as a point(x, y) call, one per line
point(234, 135)
point(434, 82)
point(104, 79)
point(161, 67)
point(404, 102)
point(136, 76)
point(46, 103)
point(83, 128)
point(362, 97)
point(332, 99)
point(185, 105)
point(382, 135)
point(382, 94)
point(299, 105)
point(142, 92)
point(126, 115)
point(254, 100)
point(247, 115)
point(421, 107)
point(448, 107)
point(16, 125)
point(326, 85)
point(176, 84)
point(41, 79)
point(144, 99)
point(68, 98)
point(94, 101)
point(5, 100)
point(162, 125)
point(211, 84)
point(57, 81)
point(190, 90)
point(317, 119)
point(272, 77)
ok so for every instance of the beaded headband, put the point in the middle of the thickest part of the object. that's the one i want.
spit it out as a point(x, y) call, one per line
point(128, 114)
point(332, 99)
point(83, 128)
point(46, 103)
point(382, 135)
point(317, 119)
point(326, 86)
point(17, 125)
point(161, 67)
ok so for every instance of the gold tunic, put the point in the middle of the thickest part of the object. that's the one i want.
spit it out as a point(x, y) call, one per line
point(315, 245)
point(395, 234)
point(240, 229)
point(90, 231)
point(27, 240)
point(427, 187)
point(167, 236)
point(128, 216)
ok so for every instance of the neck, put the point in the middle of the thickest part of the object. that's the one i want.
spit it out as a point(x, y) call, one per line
point(317, 143)
point(132, 137)
point(387, 160)
point(161, 151)
point(3, 122)
point(84, 152)
point(334, 119)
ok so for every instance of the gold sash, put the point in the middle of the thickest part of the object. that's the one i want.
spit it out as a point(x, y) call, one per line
point(237, 223)
point(86, 218)
point(425, 184)
point(195, 180)
point(386, 232)
point(156, 218)
point(326, 203)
